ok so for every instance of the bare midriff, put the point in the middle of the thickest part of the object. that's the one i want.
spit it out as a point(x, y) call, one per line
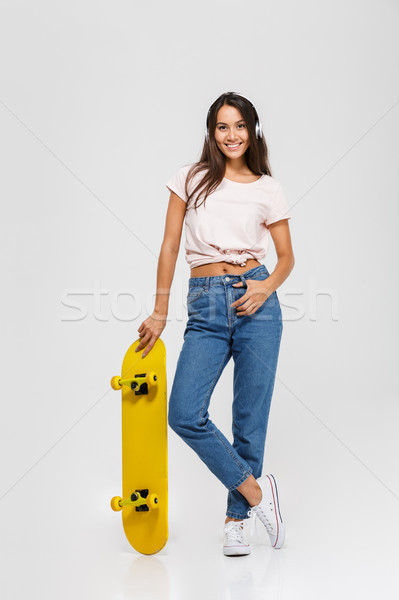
point(223, 268)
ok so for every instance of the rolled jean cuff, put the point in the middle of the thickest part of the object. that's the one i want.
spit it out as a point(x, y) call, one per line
point(240, 481)
point(236, 516)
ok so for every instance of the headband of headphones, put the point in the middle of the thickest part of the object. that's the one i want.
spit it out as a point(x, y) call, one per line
point(258, 124)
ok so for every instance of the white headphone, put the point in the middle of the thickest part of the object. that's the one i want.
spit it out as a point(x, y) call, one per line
point(258, 124)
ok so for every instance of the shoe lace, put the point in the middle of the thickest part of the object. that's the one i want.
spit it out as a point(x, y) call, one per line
point(234, 532)
point(257, 510)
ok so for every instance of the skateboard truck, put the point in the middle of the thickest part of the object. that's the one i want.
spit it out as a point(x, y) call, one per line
point(140, 499)
point(139, 384)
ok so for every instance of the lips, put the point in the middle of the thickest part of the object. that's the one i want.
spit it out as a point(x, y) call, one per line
point(233, 147)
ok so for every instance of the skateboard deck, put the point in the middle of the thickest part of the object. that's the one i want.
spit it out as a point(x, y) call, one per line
point(144, 504)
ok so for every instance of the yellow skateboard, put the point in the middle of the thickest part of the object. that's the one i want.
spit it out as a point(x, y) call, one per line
point(144, 504)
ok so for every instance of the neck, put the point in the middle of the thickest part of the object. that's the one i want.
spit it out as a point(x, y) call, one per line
point(234, 165)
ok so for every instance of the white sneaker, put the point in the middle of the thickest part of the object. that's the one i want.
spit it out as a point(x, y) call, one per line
point(235, 543)
point(268, 511)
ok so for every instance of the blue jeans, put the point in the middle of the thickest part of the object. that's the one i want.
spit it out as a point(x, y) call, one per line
point(213, 334)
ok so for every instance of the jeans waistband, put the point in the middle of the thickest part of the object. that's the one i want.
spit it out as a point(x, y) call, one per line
point(226, 279)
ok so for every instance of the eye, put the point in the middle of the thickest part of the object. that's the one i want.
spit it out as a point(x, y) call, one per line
point(224, 126)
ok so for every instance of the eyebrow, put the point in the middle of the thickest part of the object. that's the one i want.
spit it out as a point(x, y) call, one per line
point(221, 123)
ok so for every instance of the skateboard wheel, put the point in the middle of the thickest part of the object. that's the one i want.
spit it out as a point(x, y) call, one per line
point(115, 503)
point(152, 501)
point(151, 378)
point(115, 383)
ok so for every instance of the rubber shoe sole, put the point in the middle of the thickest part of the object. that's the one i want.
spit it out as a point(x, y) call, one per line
point(236, 550)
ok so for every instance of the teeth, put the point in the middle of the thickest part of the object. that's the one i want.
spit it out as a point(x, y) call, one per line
point(232, 145)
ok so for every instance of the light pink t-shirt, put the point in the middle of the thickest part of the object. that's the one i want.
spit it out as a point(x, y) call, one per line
point(232, 225)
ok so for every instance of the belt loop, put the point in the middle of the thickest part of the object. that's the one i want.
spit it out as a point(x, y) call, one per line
point(207, 282)
point(243, 279)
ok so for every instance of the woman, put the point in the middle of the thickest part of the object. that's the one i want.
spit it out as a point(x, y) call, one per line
point(229, 202)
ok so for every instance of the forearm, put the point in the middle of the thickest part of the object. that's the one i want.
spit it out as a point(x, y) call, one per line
point(165, 271)
point(284, 266)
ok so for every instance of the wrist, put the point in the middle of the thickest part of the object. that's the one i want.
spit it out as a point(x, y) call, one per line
point(269, 286)
point(162, 301)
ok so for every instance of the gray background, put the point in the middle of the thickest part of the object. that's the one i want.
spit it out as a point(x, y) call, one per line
point(100, 103)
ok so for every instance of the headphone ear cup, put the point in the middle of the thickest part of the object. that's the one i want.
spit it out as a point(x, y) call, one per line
point(207, 125)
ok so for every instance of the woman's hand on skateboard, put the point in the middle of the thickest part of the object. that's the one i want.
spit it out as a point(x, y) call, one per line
point(150, 330)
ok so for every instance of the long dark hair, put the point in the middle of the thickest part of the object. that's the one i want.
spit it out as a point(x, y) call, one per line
point(213, 161)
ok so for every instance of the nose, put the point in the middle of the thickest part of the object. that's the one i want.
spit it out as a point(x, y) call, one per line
point(232, 136)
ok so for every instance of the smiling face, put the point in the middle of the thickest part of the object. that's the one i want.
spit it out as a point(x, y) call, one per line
point(231, 133)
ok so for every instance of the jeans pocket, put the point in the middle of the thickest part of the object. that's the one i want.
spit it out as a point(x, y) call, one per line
point(194, 293)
